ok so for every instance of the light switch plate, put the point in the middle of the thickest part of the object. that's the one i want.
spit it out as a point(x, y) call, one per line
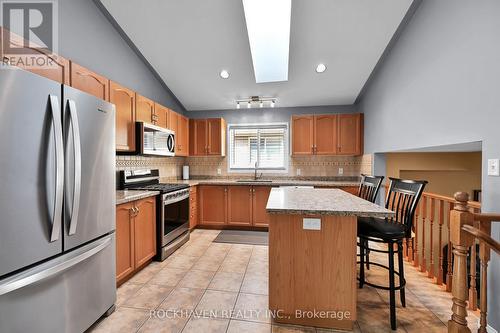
point(311, 224)
point(341, 171)
point(494, 167)
point(219, 171)
point(299, 172)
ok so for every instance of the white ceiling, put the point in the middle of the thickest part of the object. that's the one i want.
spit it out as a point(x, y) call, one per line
point(188, 42)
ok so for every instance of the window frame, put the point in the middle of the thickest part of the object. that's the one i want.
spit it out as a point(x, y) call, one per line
point(284, 125)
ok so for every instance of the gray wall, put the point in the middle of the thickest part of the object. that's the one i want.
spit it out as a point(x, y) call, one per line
point(440, 85)
point(267, 115)
point(87, 37)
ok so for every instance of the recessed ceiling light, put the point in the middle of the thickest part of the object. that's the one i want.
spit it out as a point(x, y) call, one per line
point(320, 68)
point(224, 74)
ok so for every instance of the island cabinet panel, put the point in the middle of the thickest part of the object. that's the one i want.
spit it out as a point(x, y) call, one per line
point(302, 135)
point(350, 134)
point(325, 135)
point(182, 137)
point(125, 260)
point(162, 114)
point(124, 101)
point(92, 83)
point(259, 213)
point(313, 270)
point(213, 204)
point(145, 231)
point(145, 110)
point(239, 205)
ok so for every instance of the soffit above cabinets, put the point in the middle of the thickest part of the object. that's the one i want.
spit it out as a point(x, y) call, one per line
point(189, 42)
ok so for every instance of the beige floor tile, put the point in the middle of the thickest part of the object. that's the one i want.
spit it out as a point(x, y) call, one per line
point(292, 329)
point(239, 326)
point(148, 297)
point(146, 273)
point(196, 279)
point(125, 291)
point(122, 320)
point(168, 276)
point(206, 325)
point(216, 304)
point(226, 281)
point(164, 325)
point(251, 307)
point(196, 250)
point(182, 299)
point(255, 284)
point(234, 265)
point(209, 262)
point(182, 261)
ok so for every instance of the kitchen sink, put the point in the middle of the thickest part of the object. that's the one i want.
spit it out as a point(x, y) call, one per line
point(254, 181)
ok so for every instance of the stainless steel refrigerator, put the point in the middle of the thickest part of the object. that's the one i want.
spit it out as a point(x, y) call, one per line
point(57, 205)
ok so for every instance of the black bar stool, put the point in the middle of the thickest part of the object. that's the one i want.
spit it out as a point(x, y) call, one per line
point(369, 187)
point(402, 198)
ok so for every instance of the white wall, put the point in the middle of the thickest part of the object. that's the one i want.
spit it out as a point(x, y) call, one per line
point(440, 84)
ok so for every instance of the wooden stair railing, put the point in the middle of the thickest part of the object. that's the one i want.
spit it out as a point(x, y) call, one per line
point(465, 227)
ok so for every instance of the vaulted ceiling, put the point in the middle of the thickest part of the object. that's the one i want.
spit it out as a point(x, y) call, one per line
point(189, 42)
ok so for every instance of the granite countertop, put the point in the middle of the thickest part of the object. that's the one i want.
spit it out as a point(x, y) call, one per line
point(132, 195)
point(305, 201)
point(274, 182)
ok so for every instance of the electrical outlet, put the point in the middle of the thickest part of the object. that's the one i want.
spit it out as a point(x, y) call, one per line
point(341, 171)
point(219, 171)
point(299, 172)
point(493, 167)
point(311, 224)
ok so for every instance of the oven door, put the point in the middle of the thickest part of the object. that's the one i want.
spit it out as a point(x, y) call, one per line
point(154, 140)
point(174, 216)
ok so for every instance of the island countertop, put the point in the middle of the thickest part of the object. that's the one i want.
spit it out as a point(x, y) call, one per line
point(318, 201)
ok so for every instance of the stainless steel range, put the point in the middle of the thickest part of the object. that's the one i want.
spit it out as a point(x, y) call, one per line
point(172, 215)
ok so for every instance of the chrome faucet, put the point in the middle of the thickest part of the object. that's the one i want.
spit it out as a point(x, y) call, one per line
point(255, 177)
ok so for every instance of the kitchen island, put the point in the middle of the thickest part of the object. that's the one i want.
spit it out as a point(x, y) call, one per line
point(312, 255)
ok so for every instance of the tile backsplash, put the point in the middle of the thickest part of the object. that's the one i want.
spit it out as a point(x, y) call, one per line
point(310, 166)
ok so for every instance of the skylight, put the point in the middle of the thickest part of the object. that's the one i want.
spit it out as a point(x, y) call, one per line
point(268, 26)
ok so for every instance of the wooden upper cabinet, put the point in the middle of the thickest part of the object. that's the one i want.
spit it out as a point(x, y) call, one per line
point(92, 83)
point(302, 135)
point(144, 109)
point(124, 101)
point(197, 137)
point(125, 259)
point(213, 204)
point(325, 134)
point(162, 114)
point(145, 231)
point(57, 69)
point(216, 136)
point(239, 205)
point(259, 213)
point(182, 141)
point(173, 121)
point(350, 134)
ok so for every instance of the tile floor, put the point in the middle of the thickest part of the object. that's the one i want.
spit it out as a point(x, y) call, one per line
point(213, 278)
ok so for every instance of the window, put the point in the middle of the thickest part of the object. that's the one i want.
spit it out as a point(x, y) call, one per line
point(264, 146)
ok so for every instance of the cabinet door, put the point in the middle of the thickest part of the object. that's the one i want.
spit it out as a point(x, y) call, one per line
point(200, 137)
point(213, 204)
point(125, 261)
point(239, 205)
point(350, 134)
point(325, 134)
point(302, 135)
point(161, 113)
point(351, 189)
point(92, 83)
point(214, 143)
point(260, 197)
point(182, 136)
point(173, 123)
point(193, 207)
point(145, 231)
point(124, 100)
point(144, 109)
point(57, 69)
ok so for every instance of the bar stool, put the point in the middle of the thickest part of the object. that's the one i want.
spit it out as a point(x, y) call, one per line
point(369, 187)
point(402, 198)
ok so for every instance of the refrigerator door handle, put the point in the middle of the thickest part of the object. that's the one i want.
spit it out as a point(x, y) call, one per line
point(59, 149)
point(78, 166)
point(48, 270)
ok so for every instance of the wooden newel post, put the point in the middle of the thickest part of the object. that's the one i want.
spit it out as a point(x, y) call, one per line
point(461, 241)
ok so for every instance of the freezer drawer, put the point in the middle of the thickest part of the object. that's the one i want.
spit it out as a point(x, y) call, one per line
point(67, 294)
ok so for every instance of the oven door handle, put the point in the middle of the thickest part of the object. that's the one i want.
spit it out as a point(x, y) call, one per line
point(176, 199)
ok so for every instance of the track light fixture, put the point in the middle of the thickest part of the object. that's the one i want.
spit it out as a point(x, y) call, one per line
point(257, 100)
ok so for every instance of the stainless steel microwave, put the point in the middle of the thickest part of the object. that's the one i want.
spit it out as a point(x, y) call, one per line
point(154, 140)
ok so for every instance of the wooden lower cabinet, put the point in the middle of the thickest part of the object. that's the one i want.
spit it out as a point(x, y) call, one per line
point(193, 207)
point(213, 205)
point(351, 189)
point(239, 205)
point(135, 236)
point(260, 197)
